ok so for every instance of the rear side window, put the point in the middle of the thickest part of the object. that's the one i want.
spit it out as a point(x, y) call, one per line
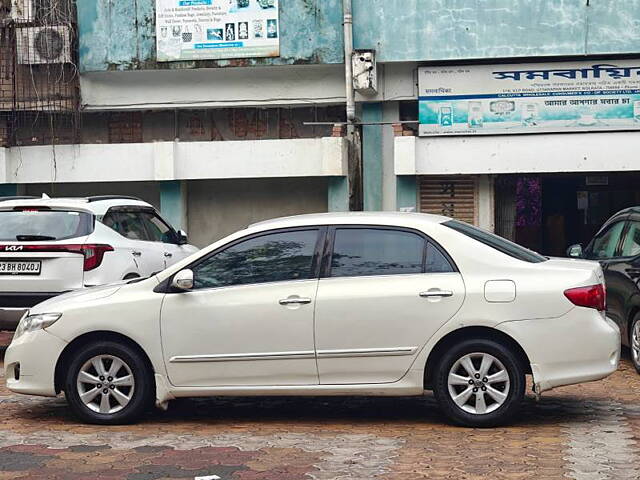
point(496, 242)
point(367, 251)
point(128, 223)
point(27, 225)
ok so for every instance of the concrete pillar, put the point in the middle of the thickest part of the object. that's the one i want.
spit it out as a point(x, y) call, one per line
point(486, 203)
point(8, 190)
point(391, 113)
point(372, 146)
point(173, 202)
point(407, 193)
point(338, 194)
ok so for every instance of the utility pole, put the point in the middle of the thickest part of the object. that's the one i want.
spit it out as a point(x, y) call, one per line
point(355, 170)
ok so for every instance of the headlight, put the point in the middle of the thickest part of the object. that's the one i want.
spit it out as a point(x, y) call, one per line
point(36, 322)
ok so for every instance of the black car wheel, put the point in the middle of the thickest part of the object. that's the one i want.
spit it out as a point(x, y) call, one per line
point(108, 383)
point(479, 383)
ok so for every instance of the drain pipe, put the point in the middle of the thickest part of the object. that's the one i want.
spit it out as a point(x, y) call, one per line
point(354, 164)
point(348, 66)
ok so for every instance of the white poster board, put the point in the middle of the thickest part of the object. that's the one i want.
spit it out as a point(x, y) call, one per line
point(216, 29)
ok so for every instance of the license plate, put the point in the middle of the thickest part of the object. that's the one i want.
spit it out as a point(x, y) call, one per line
point(20, 268)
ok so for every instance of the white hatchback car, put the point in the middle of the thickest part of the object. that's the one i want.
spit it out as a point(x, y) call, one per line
point(49, 246)
point(328, 304)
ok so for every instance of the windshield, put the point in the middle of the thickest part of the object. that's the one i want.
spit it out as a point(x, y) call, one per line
point(32, 225)
point(494, 241)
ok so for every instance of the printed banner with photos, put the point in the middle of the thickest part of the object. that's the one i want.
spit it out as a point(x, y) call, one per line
point(216, 29)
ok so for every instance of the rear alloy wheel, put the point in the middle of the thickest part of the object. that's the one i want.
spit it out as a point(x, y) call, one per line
point(479, 383)
point(108, 383)
point(634, 342)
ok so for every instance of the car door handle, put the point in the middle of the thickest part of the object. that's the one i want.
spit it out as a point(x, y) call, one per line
point(295, 301)
point(436, 293)
point(168, 254)
point(136, 253)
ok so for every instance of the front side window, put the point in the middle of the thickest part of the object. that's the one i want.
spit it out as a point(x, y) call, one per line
point(158, 230)
point(631, 242)
point(367, 251)
point(275, 257)
point(604, 244)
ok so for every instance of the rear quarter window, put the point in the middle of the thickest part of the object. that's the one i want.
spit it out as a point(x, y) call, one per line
point(494, 241)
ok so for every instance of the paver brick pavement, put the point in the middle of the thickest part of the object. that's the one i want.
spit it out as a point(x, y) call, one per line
point(582, 432)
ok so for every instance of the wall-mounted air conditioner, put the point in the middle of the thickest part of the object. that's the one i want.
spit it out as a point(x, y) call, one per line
point(37, 45)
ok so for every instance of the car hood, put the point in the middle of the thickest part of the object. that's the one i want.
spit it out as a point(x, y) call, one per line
point(77, 296)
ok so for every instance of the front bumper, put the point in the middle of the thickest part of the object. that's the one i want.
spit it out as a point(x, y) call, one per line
point(581, 346)
point(30, 363)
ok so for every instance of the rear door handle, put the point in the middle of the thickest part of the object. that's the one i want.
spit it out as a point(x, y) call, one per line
point(436, 293)
point(633, 272)
point(136, 253)
point(168, 254)
point(295, 301)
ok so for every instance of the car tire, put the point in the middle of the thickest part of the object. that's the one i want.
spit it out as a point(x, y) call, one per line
point(109, 383)
point(634, 341)
point(487, 381)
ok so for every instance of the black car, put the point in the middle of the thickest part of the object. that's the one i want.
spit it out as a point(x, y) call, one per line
point(617, 247)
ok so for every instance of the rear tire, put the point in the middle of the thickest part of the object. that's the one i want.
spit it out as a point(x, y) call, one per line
point(108, 383)
point(479, 383)
point(634, 341)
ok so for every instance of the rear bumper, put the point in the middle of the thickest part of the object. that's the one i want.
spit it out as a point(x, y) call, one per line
point(578, 347)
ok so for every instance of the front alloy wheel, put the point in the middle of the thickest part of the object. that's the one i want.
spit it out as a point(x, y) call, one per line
point(109, 383)
point(479, 383)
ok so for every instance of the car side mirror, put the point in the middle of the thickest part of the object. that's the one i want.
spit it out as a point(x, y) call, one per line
point(182, 237)
point(183, 280)
point(575, 251)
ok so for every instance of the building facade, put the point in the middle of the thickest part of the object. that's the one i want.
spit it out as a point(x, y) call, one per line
point(217, 143)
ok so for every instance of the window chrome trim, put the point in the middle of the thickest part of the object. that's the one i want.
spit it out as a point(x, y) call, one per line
point(243, 357)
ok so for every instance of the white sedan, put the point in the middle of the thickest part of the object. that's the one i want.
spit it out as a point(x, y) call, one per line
point(329, 304)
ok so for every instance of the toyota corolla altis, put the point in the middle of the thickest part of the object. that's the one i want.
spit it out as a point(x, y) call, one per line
point(328, 304)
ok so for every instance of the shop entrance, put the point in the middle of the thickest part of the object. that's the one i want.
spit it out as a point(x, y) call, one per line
point(549, 212)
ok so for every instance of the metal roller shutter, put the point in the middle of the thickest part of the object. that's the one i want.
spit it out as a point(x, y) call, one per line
point(452, 195)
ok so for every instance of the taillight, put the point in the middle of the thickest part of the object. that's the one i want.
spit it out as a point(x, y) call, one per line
point(593, 296)
point(92, 253)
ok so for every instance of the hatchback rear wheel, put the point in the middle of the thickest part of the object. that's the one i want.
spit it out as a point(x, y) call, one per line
point(634, 341)
point(108, 383)
point(479, 383)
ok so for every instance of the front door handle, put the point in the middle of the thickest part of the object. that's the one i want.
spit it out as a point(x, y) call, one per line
point(136, 253)
point(436, 293)
point(295, 301)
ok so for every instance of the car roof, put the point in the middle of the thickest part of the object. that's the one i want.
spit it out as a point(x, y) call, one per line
point(95, 205)
point(407, 219)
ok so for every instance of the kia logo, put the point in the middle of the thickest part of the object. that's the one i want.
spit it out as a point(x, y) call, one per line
point(13, 248)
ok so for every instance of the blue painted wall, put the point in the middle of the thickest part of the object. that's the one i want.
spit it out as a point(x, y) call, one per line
point(120, 34)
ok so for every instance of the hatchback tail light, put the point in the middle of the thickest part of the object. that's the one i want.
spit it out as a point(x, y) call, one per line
point(593, 296)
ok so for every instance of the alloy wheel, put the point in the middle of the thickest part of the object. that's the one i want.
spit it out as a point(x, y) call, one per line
point(105, 384)
point(478, 383)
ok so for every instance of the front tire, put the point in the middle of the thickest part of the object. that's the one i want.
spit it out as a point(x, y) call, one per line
point(108, 383)
point(634, 341)
point(479, 383)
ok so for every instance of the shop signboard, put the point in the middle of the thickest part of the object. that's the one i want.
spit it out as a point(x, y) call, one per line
point(530, 98)
point(216, 29)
